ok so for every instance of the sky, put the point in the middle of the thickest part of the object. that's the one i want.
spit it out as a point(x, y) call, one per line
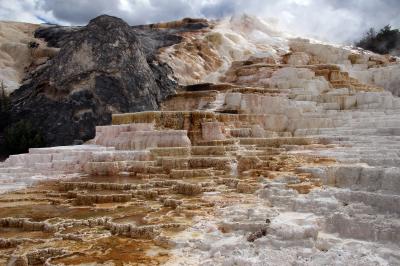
point(340, 21)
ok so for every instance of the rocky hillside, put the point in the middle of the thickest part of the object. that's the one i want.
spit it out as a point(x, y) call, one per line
point(103, 68)
point(15, 55)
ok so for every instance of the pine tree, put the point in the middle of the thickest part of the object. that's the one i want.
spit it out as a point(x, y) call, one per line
point(386, 41)
point(4, 107)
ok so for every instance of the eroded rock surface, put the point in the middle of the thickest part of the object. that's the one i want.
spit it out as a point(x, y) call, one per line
point(17, 59)
point(103, 68)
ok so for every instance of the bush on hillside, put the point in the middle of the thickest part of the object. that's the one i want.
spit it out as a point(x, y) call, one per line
point(21, 136)
point(386, 41)
point(17, 137)
point(4, 107)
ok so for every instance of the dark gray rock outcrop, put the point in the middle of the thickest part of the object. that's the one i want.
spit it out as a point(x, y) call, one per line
point(101, 68)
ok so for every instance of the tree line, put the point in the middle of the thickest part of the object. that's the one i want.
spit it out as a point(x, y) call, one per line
point(384, 41)
point(16, 137)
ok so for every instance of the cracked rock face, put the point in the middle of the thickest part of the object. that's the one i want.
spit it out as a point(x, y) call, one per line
point(101, 68)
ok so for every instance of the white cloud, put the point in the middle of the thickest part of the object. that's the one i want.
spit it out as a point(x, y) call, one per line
point(332, 20)
point(18, 10)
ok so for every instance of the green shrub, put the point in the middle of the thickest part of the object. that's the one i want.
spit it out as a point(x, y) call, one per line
point(18, 137)
point(33, 45)
point(21, 136)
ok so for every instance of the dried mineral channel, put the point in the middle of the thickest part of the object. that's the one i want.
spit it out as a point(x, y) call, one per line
point(88, 220)
point(91, 221)
point(289, 160)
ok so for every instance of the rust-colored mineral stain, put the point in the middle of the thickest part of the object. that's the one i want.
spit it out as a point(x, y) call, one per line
point(17, 233)
point(119, 251)
point(96, 244)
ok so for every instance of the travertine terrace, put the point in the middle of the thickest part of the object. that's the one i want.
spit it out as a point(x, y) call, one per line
point(289, 157)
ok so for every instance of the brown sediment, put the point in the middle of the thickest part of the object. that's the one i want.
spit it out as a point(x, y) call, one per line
point(62, 224)
point(126, 251)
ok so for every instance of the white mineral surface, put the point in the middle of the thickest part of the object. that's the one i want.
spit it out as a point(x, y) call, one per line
point(304, 141)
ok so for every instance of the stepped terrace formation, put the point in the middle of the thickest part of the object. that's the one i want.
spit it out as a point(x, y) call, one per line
point(275, 151)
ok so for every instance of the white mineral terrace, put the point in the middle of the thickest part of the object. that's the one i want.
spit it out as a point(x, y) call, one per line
point(352, 219)
point(299, 160)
